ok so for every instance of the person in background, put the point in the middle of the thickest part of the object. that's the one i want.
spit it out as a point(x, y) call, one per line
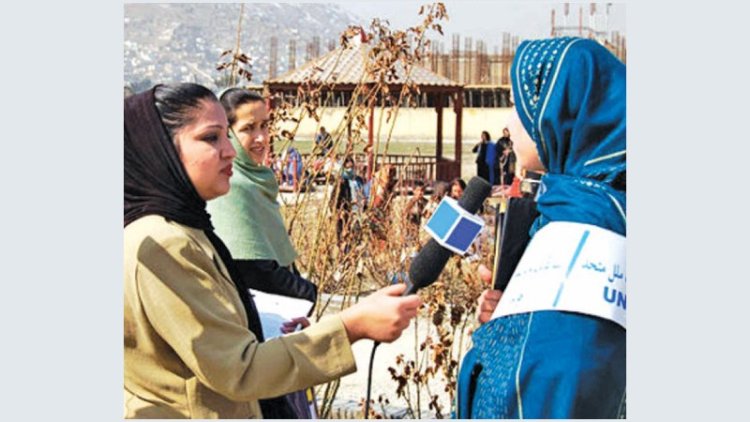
point(383, 183)
point(292, 167)
point(323, 142)
point(275, 164)
point(382, 189)
point(193, 343)
point(496, 161)
point(416, 205)
point(457, 188)
point(505, 139)
point(539, 361)
point(414, 210)
point(438, 193)
point(483, 170)
point(350, 201)
point(507, 161)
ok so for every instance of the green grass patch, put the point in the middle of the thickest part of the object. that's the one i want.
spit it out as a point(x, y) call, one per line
point(401, 148)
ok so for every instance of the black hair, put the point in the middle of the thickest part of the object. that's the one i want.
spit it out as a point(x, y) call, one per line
point(484, 132)
point(232, 98)
point(458, 181)
point(177, 103)
point(440, 190)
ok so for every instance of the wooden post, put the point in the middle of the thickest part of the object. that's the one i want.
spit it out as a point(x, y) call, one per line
point(269, 107)
point(370, 149)
point(458, 104)
point(439, 140)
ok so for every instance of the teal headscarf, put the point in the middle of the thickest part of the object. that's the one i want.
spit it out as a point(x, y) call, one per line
point(570, 97)
point(248, 217)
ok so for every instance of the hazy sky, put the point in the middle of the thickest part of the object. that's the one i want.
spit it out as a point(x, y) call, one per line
point(487, 20)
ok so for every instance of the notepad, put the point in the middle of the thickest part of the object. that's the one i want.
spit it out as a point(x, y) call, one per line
point(274, 310)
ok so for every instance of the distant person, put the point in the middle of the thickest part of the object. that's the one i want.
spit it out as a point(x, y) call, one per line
point(414, 210)
point(534, 357)
point(323, 141)
point(506, 161)
point(506, 137)
point(415, 206)
point(274, 163)
point(483, 169)
point(381, 193)
point(193, 345)
point(457, 188)
point(350, 201)
point(382, 185)
point(438, 193)
point(292, 169)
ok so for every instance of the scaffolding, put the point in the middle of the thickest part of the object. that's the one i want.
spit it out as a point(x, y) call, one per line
point(485, 74)
point(596, 28)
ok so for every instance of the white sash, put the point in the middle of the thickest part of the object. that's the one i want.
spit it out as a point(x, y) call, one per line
point(569, 267)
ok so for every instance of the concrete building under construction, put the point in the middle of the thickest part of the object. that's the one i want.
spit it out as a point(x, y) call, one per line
point(482, 67)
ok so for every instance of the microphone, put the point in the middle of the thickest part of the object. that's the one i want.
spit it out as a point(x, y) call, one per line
point(429, 263)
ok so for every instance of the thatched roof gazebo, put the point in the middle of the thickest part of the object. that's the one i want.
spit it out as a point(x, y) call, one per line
point(345, 66)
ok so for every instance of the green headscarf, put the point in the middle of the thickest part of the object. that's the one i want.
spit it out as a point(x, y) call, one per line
point(248, 219)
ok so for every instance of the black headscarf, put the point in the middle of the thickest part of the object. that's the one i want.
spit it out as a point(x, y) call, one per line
point(156, 184)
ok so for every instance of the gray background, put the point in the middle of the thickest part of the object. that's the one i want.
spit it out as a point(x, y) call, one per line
point(61, 309)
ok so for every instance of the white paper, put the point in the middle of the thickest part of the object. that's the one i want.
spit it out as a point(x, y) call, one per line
point(274, 310)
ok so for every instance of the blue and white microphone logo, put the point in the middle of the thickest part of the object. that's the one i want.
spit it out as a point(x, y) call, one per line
point(453, 227)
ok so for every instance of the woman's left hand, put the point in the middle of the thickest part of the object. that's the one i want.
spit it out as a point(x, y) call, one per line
point(489, 299)
point(291, 325)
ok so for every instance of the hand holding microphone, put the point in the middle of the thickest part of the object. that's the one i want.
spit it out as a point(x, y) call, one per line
point(384, 315)
point(381, 316)
point(424, 270)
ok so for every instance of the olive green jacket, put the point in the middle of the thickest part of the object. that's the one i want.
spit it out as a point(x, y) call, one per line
point(188, 351)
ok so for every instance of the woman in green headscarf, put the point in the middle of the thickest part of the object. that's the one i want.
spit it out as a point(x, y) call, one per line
point(248, 218)
point(249, 221)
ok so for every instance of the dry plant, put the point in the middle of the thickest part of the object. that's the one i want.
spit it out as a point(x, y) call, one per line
point(235, 61)
point(449, 309)
point(374, 249)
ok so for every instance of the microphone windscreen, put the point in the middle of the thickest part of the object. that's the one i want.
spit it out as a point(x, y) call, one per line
point(429, 263)
point(476, 191)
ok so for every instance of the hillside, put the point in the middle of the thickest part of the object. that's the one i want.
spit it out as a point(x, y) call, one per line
point(182, 42)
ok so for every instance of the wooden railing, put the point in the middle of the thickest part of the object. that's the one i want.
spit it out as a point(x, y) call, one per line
point(411, 168)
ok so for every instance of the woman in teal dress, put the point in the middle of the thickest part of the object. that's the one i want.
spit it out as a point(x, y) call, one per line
point(548, 362)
